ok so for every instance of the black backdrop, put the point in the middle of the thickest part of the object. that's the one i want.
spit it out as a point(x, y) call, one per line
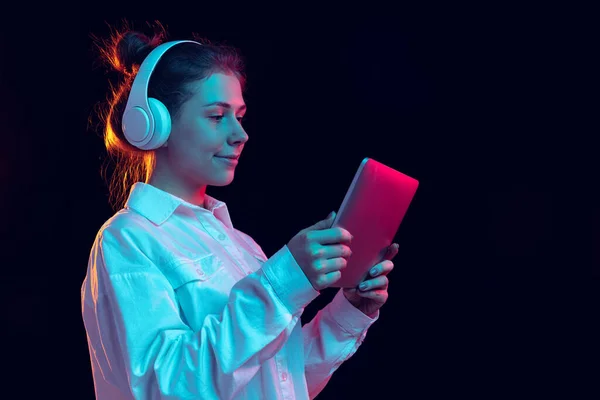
point(465, 99)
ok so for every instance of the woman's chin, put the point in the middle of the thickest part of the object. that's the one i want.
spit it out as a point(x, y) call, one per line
point(224, 181)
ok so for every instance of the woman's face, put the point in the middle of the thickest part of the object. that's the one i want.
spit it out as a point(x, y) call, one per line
point(207, 136)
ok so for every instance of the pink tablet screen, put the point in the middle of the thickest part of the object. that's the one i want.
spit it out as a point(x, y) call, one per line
point(372, 211)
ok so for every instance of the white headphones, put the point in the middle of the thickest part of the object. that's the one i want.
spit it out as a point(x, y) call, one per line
point(146, 121)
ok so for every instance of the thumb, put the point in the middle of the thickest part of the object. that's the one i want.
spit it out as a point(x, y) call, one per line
point(325, 223)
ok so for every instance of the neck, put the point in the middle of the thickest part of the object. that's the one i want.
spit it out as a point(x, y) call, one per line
point(168, 183)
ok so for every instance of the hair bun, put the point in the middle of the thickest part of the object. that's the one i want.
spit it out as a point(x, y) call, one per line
point(129, 49)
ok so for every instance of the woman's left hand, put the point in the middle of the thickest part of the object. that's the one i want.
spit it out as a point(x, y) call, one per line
point(372, 293)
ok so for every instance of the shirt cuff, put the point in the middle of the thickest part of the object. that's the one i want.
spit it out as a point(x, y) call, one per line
point(348, 317)
point(289, 281)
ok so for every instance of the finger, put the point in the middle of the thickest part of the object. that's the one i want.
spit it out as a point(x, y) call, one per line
point(323, 224)
point(383, 268)
point(334, 251)
point(380, 282)
point(329, 265)
point(327, 280)
point(379, 295)
point(392, 251)
point(330, 236)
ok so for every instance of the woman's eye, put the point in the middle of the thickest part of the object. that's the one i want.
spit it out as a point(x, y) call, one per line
point(218, 118)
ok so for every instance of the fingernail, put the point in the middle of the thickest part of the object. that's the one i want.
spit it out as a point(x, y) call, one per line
point(362, 286)
point(373, 271)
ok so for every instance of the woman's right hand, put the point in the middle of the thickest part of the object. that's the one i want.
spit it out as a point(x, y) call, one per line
point(321, 252)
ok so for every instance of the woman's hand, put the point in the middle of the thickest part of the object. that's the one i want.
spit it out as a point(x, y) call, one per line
point(372, 293)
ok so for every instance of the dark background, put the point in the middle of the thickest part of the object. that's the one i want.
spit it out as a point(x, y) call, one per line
point(469, 100)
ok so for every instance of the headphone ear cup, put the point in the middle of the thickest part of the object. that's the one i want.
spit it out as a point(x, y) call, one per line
point(136, 125)
point(162, 124)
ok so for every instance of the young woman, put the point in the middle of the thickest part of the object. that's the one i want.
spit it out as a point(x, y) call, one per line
point(177, 303)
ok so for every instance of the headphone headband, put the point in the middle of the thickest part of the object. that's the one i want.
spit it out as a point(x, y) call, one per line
point(139, 122)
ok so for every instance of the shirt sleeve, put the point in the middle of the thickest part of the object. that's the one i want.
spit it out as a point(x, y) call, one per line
point(331, 338)
point(162, 356)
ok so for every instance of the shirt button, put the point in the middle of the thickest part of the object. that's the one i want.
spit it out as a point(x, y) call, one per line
point(200, 272)
point(222, 237)
point(284, 377)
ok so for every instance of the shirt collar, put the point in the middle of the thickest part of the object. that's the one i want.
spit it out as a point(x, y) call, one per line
point(158, 205)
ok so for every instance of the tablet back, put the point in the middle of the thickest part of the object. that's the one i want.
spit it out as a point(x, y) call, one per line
point(372, 211)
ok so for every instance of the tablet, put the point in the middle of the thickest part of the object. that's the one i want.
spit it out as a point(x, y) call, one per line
point(372, 210)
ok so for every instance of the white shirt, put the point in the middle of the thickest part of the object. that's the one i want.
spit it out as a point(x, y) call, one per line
point(178, 304)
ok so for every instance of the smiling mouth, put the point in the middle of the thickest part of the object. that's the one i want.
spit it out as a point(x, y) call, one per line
point(228, 160)
point(229, 157)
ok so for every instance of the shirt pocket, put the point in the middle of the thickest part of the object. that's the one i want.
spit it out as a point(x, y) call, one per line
point(200, 269)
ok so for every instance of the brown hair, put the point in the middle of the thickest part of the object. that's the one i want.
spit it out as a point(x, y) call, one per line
point(124, 51)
